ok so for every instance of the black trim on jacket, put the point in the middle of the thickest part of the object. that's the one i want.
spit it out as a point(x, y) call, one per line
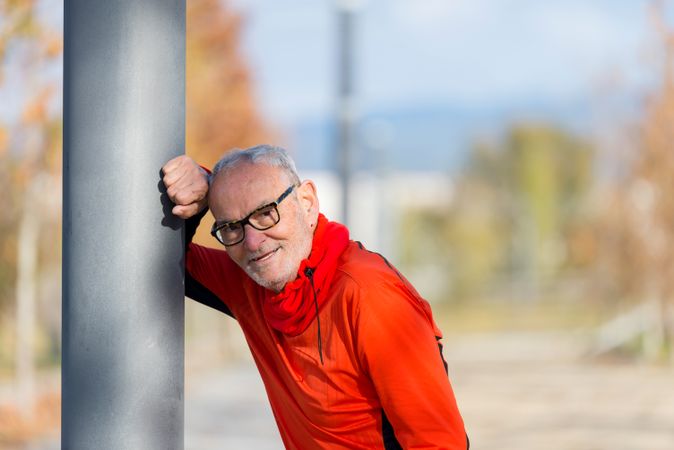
point(193, 289)
point(390, 441)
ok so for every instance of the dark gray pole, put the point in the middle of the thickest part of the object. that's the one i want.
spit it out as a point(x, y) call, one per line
point(346, 103)
point(123, 351)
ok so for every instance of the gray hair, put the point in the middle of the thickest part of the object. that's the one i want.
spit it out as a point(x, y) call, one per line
point(266, 154)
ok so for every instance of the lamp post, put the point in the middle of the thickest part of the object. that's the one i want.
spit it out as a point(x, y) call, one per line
point(123, 350)
point(346, 107)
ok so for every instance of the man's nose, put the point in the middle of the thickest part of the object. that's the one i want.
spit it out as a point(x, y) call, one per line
point(253, 238)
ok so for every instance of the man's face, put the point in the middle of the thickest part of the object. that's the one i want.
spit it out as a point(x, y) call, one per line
point(270, 257)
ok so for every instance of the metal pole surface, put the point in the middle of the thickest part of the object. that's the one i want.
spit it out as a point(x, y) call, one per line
point(346, 103)
point(123, 304)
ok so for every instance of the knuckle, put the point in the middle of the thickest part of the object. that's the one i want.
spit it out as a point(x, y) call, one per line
point(182, 198)
point(169, 176)
point(171, 163)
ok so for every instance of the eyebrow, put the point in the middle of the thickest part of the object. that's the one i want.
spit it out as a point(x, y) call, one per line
point(261, 205)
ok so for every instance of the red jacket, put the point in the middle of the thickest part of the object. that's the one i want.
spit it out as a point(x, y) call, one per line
point(382, 378)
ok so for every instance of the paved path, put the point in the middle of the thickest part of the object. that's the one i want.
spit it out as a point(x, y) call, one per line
point(519, 392)
point(228, 408)
point(516, 392)
point(538, 392)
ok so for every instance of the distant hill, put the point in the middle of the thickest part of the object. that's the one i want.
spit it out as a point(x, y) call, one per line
point(435, 137)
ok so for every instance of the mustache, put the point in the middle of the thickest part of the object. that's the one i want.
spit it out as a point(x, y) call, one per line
point(252, 257)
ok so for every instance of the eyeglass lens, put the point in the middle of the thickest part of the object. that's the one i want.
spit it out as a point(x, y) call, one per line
point(261, 219)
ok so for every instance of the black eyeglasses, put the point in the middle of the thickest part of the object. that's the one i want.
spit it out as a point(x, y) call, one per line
point(263, 218)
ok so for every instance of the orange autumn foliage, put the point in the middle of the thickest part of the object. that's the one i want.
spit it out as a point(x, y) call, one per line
point(221, 111)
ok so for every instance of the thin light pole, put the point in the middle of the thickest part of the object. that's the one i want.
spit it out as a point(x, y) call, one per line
point(123, 312)
point(346, 109)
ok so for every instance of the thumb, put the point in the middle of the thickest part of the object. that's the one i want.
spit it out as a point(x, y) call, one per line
point(185, 211)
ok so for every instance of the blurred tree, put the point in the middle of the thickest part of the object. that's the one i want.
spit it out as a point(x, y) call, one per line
point(31, 158)
point(518, 214)
point(536, 181)
point(30, 141)
point(542, 174)
point(638, 226)
point(221, 108)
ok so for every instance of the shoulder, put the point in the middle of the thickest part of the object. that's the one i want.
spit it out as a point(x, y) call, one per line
point(374, 288)
point(216, 271)
point(357, 258)
point(206, 255)
point(371, 279)
point(367, 268)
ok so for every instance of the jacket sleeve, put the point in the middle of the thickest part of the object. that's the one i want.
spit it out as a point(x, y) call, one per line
point(399, 349)
point(210, 275)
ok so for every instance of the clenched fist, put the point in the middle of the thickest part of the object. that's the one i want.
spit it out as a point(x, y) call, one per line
point(186, 185)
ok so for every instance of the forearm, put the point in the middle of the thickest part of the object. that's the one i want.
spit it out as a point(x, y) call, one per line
point(193, 288)
point(191, 226)
point(200, 293)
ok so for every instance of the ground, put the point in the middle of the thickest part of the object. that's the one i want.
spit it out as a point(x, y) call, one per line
point(519, 391)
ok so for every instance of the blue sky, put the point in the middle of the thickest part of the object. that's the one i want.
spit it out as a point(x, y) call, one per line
point(457, 52)
point(420, 55)
point(419, 52)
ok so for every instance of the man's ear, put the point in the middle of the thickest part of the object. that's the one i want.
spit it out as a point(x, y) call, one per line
point(308, 198)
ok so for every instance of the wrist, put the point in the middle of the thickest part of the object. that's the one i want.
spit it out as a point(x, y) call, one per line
point(206, 173)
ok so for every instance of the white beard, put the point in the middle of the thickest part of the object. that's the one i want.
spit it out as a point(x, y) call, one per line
point(292, 255)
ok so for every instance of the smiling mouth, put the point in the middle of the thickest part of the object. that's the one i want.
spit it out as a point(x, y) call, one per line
point(265, 256)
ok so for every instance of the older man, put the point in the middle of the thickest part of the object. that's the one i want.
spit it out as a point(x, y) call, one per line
point(347, 349)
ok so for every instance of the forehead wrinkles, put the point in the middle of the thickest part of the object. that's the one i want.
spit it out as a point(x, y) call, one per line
point(249, 175)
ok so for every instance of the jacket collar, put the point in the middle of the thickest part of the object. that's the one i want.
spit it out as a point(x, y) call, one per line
point(295, 307)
